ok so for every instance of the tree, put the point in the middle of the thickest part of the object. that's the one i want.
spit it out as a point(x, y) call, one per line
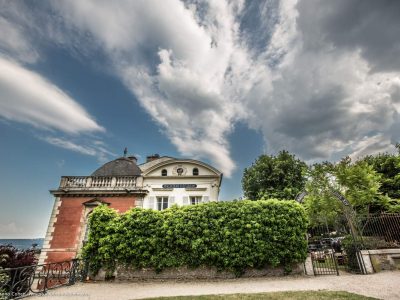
point(388, 166)
point(321, 206)
point(357, 181)
point(280, 177)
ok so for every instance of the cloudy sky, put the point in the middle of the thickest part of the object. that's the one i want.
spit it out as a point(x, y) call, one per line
point(220, 81)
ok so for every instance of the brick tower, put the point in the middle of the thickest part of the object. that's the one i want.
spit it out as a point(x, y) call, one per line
point(117, 184)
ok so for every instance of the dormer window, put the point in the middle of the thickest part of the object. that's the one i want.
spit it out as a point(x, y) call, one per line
point(164, 172)
point(195, 172)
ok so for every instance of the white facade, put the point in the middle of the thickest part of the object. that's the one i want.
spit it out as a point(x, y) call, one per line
point(172, 181)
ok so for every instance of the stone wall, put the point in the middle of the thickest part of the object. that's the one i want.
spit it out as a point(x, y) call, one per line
point(127, 273)
point(381, 259)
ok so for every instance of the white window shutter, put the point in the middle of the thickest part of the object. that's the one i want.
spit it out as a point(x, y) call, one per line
point(205, 199)
point(185, 200)
point(171, 201)
point(151, 203)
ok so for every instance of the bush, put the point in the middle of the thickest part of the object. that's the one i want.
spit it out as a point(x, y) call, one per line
point(230, 236)
point(11, 257)
point(351, 247)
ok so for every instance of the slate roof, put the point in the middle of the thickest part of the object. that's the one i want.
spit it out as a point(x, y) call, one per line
point(122, 166)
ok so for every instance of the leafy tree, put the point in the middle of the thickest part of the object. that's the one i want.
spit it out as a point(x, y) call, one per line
point(357, 181)
point(322, 207)
point(388, 166)
point(280, 177)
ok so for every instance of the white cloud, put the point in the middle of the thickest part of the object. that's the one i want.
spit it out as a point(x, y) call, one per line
point(70, 145)
point(27, 97)
point(14, 42)
point(323, 99)
point(95, 148)
point(199, 67)
point(176, 63)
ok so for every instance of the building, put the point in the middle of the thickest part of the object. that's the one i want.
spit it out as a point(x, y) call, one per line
point(122, 184)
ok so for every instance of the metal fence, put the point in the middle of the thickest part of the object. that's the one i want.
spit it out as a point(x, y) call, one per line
point(333, 247)
point(380, 231)
point(17, 283)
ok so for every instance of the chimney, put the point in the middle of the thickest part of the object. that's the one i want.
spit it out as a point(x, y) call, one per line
point(131, 157)
point(152, 157)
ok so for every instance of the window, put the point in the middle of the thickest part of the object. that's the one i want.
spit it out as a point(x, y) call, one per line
point(195, 171)
point(195, 200)
point(87, 228)
point(86, 236)
point(162, 203)
point(164, 172)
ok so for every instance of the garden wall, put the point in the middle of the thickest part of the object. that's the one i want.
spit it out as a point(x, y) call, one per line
point(381, 259)
point(182, 273)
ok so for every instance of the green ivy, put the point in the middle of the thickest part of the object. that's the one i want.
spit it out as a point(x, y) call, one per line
point(230, 236)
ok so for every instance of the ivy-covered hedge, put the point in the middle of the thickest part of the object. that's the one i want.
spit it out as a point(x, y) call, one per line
point(230, 236)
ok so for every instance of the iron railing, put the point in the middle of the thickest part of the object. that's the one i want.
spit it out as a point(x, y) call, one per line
point(17, 283)
point(380, 231)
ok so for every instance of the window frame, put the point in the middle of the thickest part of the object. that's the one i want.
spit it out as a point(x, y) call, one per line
point(197, 200)
point(162, 202)
point(195, 170)
point(164, 172)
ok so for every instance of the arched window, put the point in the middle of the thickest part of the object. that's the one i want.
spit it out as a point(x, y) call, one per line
point(87, 228)
point(164, 172)
point(195, 172)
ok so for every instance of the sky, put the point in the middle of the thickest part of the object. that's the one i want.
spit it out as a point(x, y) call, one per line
point(219, 81)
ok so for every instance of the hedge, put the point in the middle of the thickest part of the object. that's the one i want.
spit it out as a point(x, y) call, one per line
point(230, 236)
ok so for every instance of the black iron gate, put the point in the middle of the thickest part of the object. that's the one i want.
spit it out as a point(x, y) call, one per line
point(334, 248)
point(324, 257)
point(325, 243)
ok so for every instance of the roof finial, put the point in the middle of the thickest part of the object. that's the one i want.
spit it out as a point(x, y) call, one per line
point(125, 151)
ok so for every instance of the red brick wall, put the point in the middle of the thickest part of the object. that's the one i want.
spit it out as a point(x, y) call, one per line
point(60, 256)
point(67, 228)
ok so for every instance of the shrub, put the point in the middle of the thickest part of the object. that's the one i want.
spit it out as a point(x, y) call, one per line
point(351, 247)
point(11, 257)
point(230, 236)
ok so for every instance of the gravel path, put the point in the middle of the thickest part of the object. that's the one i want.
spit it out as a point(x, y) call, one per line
point(384, 285)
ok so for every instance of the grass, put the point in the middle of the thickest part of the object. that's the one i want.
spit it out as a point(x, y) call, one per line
point(299, 295)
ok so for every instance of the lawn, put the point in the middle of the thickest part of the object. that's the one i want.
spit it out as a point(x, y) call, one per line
point(300, 295)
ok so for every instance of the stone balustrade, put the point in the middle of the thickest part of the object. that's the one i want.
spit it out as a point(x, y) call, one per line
point(103, 182)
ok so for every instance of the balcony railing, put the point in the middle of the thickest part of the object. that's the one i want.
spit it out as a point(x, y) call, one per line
point(21, 282)
point(103, 182)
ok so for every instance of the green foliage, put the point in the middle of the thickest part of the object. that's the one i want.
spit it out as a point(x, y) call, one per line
point(280, 177)
point(351, 247)
point(230, 236)
point(388, 166)
point(358, 182)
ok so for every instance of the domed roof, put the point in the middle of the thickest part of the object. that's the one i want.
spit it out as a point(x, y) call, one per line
point(123, 166)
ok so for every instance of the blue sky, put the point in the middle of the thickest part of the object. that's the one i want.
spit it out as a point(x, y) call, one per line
point(220, 81)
